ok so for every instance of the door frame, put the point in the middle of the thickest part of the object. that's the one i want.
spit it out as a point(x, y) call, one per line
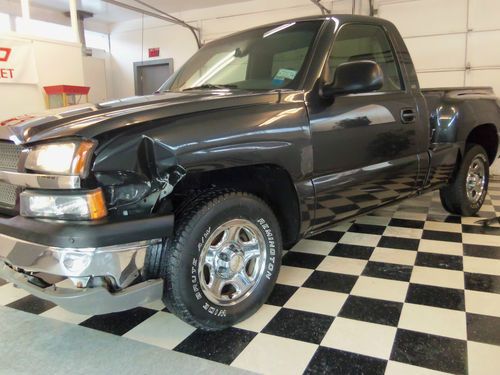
point(140, 64)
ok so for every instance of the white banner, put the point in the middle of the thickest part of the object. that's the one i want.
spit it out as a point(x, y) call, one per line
point(17, 63)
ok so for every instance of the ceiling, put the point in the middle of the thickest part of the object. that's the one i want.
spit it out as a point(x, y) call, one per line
point(110, 13)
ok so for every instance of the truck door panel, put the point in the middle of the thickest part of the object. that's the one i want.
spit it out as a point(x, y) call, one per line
point(365, 145)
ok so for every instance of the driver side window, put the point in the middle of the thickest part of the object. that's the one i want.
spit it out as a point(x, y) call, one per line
point(357, 42)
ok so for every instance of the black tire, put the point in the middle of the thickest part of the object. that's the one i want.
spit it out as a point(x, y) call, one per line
point(198, 223)
point(454, 196)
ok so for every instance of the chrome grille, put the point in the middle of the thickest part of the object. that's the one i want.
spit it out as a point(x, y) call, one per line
point(8, 195)
point(9, 155)
point(9, 159)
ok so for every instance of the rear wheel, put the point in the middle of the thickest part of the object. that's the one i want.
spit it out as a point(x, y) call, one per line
point(466, 193)
point(223, 261)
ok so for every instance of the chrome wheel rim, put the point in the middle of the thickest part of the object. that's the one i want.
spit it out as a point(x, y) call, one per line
point(232, 262)
point(476, 180)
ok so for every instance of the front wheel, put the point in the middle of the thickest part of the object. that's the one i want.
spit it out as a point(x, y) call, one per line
point(223, 261)
point(466, 193)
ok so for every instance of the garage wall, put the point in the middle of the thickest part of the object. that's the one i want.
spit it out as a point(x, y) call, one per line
point(56, 63)
point(175, 42)
point(452, 42)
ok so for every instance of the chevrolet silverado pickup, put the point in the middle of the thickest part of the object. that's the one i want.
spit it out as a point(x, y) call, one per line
point(262, 138)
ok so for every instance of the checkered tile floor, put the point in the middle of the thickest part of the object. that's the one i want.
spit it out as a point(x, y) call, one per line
point(408, 289)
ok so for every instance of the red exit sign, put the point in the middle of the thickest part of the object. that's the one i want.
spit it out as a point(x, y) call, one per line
point(154, 52)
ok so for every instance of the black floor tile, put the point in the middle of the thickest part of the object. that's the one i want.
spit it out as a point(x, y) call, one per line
point(441, 236)
point(481, 229)
point(483, 328)
point(333, 282)
point(367, 228)
point(388, 271)
point(119, 323)
point(430, 351)
point(281, 294)
point(449, 262)
point(481, 251)
point(415, 224)
point(221, 346)
point(483, 283)
point(446, 298)
point(445, 218)
point(299, 325)
point(399, 243)
point(352, 251)
point(32, 304)
point(333, 361)
point(372, 310)
point(329, 235)
point(303, 260)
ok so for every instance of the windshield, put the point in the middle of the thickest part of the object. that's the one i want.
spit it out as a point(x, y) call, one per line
point(261, 59)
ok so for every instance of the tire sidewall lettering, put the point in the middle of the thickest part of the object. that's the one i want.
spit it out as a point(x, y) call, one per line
point(270, 267)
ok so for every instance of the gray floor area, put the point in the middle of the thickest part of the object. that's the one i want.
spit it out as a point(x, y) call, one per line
point(26, 348)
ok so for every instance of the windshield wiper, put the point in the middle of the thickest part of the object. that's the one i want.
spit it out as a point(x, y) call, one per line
point(209, 86)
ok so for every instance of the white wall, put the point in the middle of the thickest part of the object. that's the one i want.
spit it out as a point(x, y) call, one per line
point(452, 42)
point(56, 63)
point(178, 43)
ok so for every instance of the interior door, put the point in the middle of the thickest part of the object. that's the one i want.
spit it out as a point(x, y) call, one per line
point(149, 77)
point(365, 145)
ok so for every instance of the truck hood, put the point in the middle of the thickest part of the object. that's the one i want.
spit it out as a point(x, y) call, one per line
point(90, 120)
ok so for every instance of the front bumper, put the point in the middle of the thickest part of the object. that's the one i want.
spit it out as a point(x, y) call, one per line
point(100, 277)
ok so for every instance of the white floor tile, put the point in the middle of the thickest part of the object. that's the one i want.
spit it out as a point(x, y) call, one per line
point(433, 320)
point(398, 368)
point(259, 320)
point(481, 239)
point(441, 247)
point(155, 305)
point(268, 354)
point(317, 301)
point(482, 265)
point(482, 303)
point(9, 294)
point(483, 358)
point(373, 220)
point(356, 336)
point(371, 287)
point(385, 255)
point(403, 232)
point(361, 239)
point(313, 247)
point(294, 276)
point(162, 329)
point(437, 277)
point(444, 227)
point(349, 266)
point(409, 215)
point(60, 314)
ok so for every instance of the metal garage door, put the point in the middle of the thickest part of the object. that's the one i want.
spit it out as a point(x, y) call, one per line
point(452, 42)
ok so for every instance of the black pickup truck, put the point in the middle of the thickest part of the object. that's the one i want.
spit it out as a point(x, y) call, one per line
point(262, 138)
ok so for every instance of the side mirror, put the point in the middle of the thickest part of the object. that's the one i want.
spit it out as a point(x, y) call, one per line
point(355, 77)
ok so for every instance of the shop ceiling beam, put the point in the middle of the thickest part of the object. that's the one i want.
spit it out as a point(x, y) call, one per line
point(157, 13)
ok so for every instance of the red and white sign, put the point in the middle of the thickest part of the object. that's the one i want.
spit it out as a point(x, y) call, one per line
point(17, 63)
point(154, 52)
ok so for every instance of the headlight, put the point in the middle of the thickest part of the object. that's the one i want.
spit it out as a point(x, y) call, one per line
point(65, 158)
point(59, 205)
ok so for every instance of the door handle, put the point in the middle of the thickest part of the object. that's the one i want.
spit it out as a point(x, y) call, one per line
point(408, 115)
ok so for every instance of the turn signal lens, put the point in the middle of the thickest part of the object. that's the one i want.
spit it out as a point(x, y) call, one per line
point(65, 206)
point(97, 205)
